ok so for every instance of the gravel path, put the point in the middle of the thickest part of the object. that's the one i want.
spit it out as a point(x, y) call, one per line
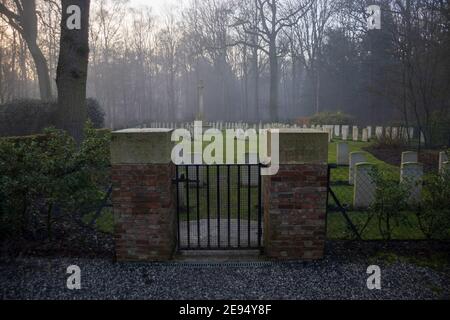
point(45, 278)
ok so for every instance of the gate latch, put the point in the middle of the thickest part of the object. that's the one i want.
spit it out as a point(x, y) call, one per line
point(182, 179)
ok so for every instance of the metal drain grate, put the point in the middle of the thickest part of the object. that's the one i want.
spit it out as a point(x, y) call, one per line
point(253, 264)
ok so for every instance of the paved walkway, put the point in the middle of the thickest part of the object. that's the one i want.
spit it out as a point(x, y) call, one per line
point(232, 233)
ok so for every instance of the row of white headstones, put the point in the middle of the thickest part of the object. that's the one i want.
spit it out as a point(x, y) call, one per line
point(359, 168)
point(344, 132)
point(360, 173)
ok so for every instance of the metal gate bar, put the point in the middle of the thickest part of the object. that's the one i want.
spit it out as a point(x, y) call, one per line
point(207, 206)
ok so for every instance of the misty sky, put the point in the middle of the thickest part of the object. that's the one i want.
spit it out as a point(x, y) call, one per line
point(158, 5)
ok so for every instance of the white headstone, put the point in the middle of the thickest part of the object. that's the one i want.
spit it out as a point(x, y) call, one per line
point(412, 173)
point(394, 134)
point(364, 189)
point(379, 133)
point(411, 133)
point(410, 156)
point(355, 133)
point(343, 155)
point(387, 133)
point(345, 130)
point(365, 135)
point(422, 138)
point(337, 131)
point(369, 132)
point(330, 134)
point(354, 159)
point(405, 134)
point(443, 158)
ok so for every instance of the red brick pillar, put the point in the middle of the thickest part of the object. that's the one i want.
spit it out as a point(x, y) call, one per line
point(143, 195)
point(295, 198)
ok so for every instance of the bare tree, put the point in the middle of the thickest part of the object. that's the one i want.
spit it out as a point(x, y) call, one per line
point(274, 17)
point(309, 38)
point(23, 18)
point(168, 44)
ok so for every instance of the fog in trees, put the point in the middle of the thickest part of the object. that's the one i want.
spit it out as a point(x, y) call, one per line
point(258, 60)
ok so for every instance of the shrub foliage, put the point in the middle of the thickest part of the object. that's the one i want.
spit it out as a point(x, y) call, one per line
point(44, 177)
point(332, 118)
point(27, 117)
point(433, 213)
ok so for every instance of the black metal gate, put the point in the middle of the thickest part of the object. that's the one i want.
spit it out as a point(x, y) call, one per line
point(219, 207)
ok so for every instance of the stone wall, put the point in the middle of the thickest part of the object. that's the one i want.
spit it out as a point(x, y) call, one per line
point(144, 212)
point(143, 195)
point(295, 212)
point(295, 198)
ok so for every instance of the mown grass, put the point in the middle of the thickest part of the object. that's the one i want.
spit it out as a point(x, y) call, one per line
point(337, 228)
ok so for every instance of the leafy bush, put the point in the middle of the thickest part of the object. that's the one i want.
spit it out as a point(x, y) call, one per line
point(391, 200)
point(433, 213)
point(385, 142)
point(28, 117)
point(437, 134)
point(95, 113)
point(42, 177)
point(332, 118)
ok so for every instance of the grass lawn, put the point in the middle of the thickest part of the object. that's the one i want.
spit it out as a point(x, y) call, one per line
point(336, 225)
point(406, 230)
point(339, 176)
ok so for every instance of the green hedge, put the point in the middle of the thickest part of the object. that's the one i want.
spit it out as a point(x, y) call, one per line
point(42, 174)
point(28, 117)
point(332, 118)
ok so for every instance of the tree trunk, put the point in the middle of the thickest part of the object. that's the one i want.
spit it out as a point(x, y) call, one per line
point(256, 81)
point(2, 92)
point(274, 76)
point(255, 65)
point(29, 33)
point(42, 71)
point(72, 70)
point(317, 97)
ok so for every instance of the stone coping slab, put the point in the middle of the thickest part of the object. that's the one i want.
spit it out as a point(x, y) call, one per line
point(141, 146)
point(302, 146)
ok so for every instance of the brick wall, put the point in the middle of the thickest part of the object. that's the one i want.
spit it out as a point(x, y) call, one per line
point(144, 211)
point(295, 212)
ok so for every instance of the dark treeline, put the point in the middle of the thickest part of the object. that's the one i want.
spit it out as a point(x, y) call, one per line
point(258, 60)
